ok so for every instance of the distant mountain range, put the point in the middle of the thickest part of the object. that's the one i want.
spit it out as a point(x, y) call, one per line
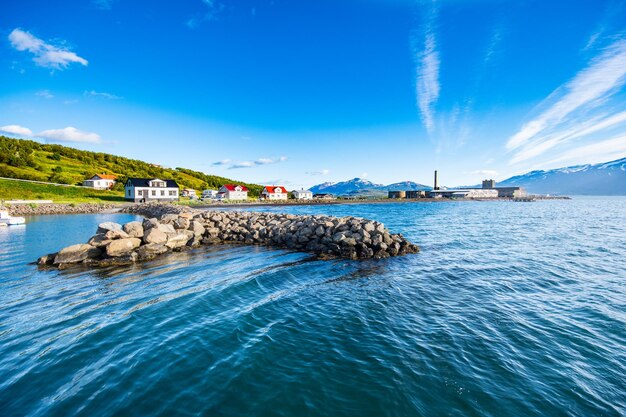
point(363, 188)
point(608, 178)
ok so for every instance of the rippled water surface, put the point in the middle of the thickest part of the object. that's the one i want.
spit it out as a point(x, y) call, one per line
point(510, 309)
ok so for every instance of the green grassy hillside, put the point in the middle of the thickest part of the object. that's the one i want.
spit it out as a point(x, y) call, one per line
point(18, 190)
point(26, 159)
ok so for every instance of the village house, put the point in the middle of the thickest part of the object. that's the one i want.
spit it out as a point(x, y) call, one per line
point(302, 194)
point(209, 194)
point(188, 192)
point(232, 192)
point(142, 190)
point(274, 193)
point(323, 196)
point(100, 182)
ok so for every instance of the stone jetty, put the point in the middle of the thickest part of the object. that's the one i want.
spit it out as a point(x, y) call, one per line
point(175, 228)
point(55, 208)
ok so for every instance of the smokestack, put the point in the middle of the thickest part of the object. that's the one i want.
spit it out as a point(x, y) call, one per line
point(436, 187)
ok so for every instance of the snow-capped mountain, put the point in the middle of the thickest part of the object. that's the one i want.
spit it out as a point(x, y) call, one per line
point(607, 178)
point(363, 187)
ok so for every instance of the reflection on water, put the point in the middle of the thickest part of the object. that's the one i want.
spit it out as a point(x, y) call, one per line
point(516, 307)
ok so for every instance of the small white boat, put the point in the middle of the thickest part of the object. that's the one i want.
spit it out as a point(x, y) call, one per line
point(6, 220)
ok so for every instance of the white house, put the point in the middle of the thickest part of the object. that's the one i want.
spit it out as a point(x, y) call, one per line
point(302, 194)
point(100, 182)
point(274, 193)
point(232, 192)
point(209, 194)
point(188, 192)
point(142, 190)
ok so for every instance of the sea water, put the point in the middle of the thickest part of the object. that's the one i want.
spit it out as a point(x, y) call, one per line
point(509, 309)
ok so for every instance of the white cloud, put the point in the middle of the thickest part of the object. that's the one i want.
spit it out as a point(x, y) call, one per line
point(609, 149)
point(321, 172)
point(244, 164)
point(591, 87)
point(45, 94)
point(259, 161)
point(70, 134)
point(17, 130)
point(364, 175)
point(487, 172)
point(427, 85)
point(93, 93)
point(222, 162)
point(45, 55)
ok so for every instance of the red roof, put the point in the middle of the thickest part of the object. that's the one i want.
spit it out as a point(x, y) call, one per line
point(231, 187)
point(272, 189)
point(106, 177)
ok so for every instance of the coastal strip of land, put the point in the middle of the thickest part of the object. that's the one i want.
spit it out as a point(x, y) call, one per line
point(170, 227)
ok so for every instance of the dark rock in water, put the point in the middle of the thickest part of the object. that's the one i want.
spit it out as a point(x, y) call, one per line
point(150, 251)
point(46, 259)
point(99, 240)
point(76, 253)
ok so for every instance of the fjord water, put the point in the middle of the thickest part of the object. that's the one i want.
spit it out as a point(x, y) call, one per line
point(510, 309)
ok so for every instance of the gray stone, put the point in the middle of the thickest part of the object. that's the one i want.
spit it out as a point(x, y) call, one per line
point(99, 240)
point(167, 229)
point(116, 234)
point(76, 253)
point(151, 251)
point(197, 228)
point(122, 247)
point(181, 223)
point(179, 240)
point(154, 235)
point(106, 226)
point(149, 224)
point(133, 229)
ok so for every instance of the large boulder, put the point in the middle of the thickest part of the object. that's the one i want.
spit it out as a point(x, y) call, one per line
point(151, 251)
point(179, 240)
point(116, 234)
point(197, 228)
point(76, 253)
point(150, 223)
point(181, 223)
point(167, 229)
point(154, 235)
point(107, 226)
point(99, 240)
point(122, 247)
point(133, 229)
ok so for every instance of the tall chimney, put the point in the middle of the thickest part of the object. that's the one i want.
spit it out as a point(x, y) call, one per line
point(436, 187)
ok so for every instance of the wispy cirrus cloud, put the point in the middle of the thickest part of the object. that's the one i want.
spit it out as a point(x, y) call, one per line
point(320, 172)
point(575, 109)
point(44, 94)
point(487, 172)
point(93, 93)
point(212, 9)
point(69, 134)
point(16, 130)
point(260, 161)
point(44, 54)
point(222, 162)
point(427, 74)
point(605, 150)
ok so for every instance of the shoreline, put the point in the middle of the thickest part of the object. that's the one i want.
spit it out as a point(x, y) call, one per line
point(26, 209)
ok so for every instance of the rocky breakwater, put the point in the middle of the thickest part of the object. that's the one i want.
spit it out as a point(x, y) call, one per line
point(53, 208)
point(171, 228)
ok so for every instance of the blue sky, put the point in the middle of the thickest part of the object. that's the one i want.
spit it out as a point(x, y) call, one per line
point(304, 92)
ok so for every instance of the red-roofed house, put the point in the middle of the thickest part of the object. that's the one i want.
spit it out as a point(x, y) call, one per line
point(100, 182)
point(232, 192)
point(274, 193)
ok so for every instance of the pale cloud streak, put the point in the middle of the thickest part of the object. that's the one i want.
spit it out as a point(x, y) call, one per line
point(485, 172)
point(93, 93)
point(259, 161)
point(44, 94)
point(70, 134)
point(222, 162)
point(606, 150)
point(427, 80)
point(321, 172)
point(591, 87)
point(16, 130)
point(212, 9)
point(44, 54)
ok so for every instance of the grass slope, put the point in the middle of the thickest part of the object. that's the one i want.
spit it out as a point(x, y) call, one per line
point(25, 159)
point(20, 190)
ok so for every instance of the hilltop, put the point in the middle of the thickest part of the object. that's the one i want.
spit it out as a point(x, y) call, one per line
point(365, 188)
point(30, 160)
